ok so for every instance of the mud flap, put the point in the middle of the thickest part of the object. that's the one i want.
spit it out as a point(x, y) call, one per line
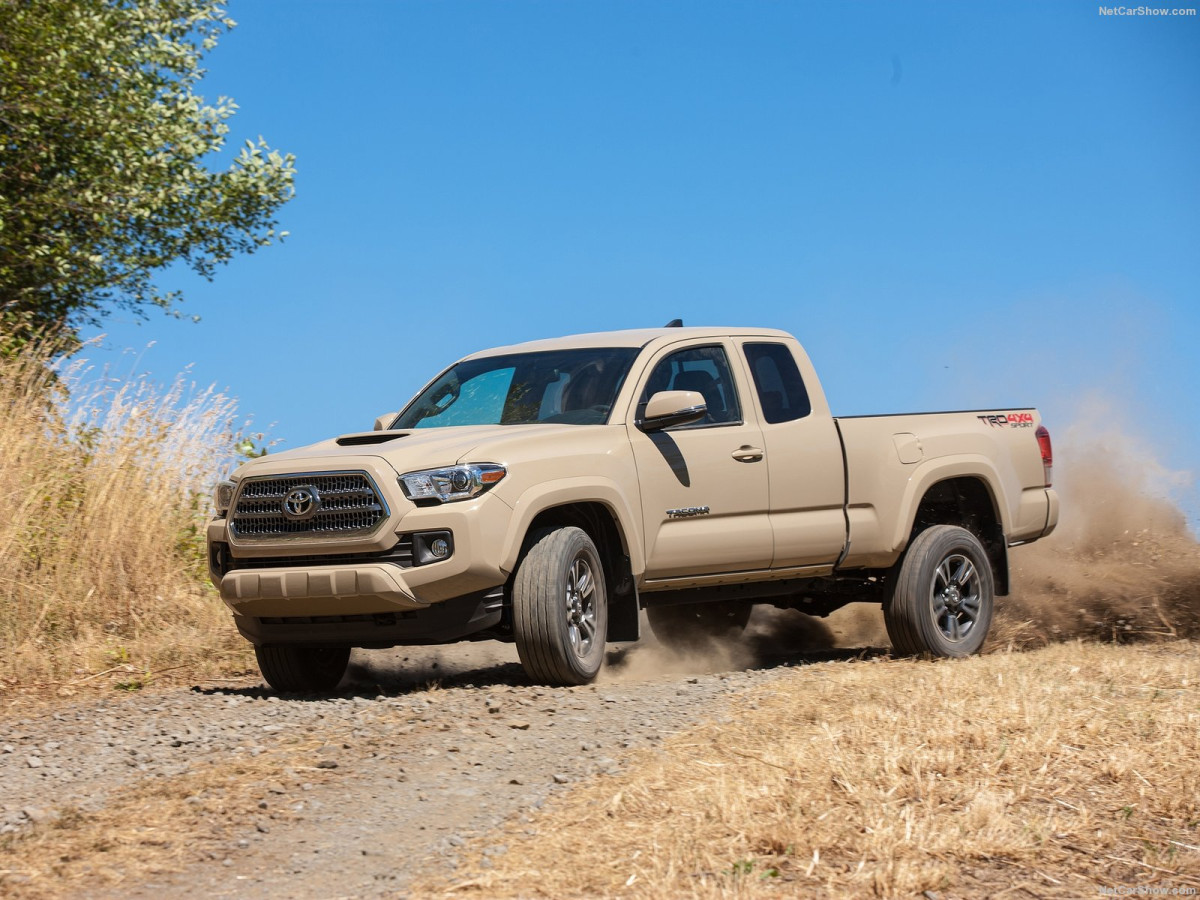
point(623, 622)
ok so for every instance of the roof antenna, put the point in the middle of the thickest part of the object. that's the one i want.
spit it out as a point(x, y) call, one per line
point(674, 323)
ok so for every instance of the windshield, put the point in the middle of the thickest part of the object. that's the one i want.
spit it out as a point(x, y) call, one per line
point(573, 387)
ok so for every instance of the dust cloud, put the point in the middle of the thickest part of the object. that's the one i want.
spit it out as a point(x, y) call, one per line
point(649, 658)
point(772, 635)
point(1122, 565)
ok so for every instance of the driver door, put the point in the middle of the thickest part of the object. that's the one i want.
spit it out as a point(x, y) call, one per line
point(705, 504)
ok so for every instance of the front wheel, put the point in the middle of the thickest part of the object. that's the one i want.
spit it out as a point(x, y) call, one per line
point(941, 601)
point(302, 670)
point(560, 608)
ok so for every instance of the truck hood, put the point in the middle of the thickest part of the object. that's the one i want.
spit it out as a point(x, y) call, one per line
point(425, 448)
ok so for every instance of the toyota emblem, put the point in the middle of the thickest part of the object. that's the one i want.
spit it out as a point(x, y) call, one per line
point(301, 503)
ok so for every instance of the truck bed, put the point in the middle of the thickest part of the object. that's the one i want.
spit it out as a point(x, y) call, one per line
point(892, 460)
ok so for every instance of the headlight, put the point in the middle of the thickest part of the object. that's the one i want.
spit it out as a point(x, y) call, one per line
point(451, 483)
point(223, 496)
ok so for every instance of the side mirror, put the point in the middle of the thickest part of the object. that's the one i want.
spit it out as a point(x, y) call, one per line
point(382, 423)
point(668, 408)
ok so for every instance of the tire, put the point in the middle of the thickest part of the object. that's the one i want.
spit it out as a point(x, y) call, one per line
point(942, 597)
point(560, 629)
point(302, 670)
point(694, 626)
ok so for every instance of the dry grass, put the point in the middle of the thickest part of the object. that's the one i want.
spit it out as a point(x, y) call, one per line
point(1043, 774)
point(156, 826)
point(104, 484)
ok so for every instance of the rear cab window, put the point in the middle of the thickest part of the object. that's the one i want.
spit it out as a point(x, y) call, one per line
point(781, 391)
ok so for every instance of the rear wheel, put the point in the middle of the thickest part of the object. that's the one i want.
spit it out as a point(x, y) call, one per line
point(302, 670)
point(942, 598)
point(692, 626)
point(560, 608)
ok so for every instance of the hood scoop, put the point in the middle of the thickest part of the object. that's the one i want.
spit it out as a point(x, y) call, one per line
point(370, 437)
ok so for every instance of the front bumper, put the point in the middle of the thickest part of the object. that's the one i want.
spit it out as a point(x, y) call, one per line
point(474, 616)
point(262, 580)
point(371, 588)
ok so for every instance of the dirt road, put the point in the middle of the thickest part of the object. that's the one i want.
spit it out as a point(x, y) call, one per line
point(231, 790)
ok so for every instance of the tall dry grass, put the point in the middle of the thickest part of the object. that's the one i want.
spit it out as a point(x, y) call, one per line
point(104, 486)
point(1052, 773)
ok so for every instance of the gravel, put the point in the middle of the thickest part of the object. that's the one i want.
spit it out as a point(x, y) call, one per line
point(411, 771)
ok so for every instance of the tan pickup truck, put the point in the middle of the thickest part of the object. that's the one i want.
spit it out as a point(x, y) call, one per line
point(544, 493)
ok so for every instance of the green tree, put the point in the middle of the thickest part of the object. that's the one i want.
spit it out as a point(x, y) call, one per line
point(104, 152)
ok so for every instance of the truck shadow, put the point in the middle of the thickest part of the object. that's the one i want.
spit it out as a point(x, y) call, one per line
point(369, 678)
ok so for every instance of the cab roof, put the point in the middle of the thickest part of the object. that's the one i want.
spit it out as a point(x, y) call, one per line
point(636, 337)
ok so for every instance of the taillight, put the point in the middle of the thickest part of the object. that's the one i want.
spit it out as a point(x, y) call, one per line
point(1043, 439)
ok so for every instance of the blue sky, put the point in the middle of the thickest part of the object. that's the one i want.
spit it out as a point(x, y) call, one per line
point(952, 205)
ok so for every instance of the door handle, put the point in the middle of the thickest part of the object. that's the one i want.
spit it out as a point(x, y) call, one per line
point(746, 453)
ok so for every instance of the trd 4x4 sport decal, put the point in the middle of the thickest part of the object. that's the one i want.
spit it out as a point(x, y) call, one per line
point(1014, 420)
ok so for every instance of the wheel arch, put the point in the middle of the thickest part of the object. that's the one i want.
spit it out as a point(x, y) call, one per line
point(607, 521)
point(584, 493)
point(970, 502)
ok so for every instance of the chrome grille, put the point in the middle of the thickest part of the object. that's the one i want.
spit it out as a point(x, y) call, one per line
point(351, 506)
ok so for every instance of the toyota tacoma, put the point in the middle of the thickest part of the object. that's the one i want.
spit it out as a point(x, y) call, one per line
point(547, 492)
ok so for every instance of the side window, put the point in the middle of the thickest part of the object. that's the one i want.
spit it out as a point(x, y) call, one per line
point(780, 388)
point(701, 369)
